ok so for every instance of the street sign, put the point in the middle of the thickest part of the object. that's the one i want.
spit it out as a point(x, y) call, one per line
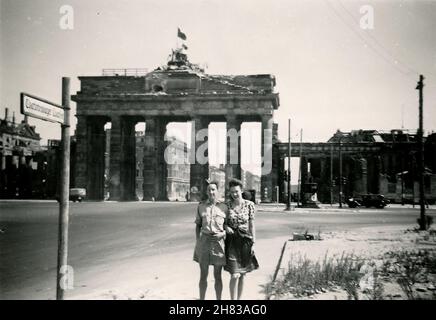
point(41, 108)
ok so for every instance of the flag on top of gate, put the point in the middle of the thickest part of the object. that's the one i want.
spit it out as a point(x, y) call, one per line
point(180, 34)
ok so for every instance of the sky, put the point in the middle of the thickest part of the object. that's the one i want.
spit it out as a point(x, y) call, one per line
point(334, 68)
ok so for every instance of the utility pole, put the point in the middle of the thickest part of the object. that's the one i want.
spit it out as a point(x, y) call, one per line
point(299, 168)
point(340, 172)
point(331, 174)
point(423, 222)
point(288, 202)
point(413, 177)
point(64, 207)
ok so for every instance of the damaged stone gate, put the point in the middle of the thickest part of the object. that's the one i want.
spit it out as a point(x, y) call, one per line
point(177, 92)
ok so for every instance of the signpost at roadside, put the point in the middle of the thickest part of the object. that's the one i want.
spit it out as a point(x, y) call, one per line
point(42, 109)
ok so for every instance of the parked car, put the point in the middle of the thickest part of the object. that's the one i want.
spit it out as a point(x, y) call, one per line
point(77, 194)
point(353, 203)
point(374, 200)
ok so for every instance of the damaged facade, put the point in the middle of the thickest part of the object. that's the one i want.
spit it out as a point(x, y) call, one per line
point(19, 148)
point(372, 162)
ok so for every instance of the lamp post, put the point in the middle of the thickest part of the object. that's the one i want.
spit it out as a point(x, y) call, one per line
point(299, 170)
point(422, 219)
point(340, 172)
point(288, 201)
point(331, 174)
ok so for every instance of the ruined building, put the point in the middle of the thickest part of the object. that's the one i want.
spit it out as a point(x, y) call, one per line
point(372, 162)
point(19, 146)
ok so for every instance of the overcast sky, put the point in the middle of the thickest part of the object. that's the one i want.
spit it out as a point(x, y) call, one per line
point(331, 73)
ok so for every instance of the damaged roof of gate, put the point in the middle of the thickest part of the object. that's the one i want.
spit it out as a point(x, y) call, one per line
point(178, 78)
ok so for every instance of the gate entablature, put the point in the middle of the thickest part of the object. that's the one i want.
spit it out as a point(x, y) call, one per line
point(178, 83)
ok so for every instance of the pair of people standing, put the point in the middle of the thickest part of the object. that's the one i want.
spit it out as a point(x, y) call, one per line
point(225, 235)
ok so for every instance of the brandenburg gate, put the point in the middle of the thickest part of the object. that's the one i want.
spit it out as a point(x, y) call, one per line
point(177, 92)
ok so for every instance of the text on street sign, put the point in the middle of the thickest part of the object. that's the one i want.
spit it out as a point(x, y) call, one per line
point(41, 109)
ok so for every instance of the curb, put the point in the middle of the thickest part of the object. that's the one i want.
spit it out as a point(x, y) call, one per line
point(279, 263)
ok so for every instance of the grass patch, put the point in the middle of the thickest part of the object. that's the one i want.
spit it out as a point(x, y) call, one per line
point(305, 277)
point(358, 277)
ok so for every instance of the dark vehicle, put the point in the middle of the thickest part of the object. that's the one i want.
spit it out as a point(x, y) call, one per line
point(374, 200)
point(76, 194)
point(353, 203)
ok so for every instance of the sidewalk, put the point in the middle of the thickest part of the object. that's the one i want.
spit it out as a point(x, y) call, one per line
point(27, 200)
point(281, 207)
point(170, 276)
point(175, 276)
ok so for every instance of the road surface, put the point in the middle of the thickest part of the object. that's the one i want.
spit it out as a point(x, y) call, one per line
point(104, 234)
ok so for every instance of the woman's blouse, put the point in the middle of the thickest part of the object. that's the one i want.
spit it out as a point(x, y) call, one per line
point(238, 217)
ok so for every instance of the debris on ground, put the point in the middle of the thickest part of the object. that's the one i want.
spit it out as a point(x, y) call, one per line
point(305, 236)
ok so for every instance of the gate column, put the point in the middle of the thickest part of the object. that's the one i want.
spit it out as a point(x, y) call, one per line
point(115, 159)
point(81, 153)
point(161, 168)
point(233, 152)
point(128, 159)
point(96, 144)
point(199, 158)
point(149, 160)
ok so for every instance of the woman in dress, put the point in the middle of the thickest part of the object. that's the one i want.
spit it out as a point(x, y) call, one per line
point(210, 235)
point(241, 236)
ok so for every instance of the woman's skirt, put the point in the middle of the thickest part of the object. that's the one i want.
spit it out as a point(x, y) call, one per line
point(209, 251)
point(239, 258)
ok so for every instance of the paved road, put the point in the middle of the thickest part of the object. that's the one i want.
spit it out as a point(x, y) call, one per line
point(104, 233)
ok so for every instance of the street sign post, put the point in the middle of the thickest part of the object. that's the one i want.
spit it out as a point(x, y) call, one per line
point(42, 109)
point(64, 205)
